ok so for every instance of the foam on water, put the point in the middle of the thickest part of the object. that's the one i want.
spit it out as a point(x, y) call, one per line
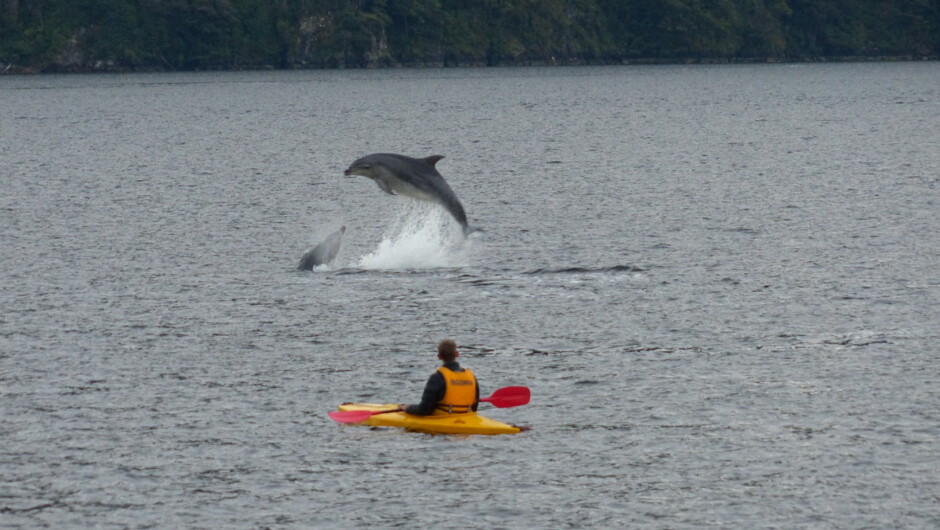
point(423, 237)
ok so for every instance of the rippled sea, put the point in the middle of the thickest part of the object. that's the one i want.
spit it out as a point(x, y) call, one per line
point(720, 283)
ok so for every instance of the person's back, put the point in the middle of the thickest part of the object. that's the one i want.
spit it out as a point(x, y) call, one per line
point(451, 389)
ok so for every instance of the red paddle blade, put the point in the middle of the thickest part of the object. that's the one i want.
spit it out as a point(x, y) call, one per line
point(351, 416)
point(355, 416)
point(509, 396)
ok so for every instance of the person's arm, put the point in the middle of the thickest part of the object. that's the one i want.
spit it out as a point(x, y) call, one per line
point(433, 392)
point(476, 399)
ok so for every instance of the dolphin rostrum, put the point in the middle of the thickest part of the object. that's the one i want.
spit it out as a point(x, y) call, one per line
point(323, 253)
point(413, 177)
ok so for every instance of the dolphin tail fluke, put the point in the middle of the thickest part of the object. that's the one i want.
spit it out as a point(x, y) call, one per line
point(467, 230)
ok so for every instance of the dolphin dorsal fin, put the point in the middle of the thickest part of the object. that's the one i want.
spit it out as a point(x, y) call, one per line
point(433, 159)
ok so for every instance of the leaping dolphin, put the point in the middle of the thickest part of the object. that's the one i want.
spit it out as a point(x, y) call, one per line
point(323, 253)
point(413, 177)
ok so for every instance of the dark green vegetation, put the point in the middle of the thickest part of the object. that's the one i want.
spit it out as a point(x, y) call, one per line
point(80, 35)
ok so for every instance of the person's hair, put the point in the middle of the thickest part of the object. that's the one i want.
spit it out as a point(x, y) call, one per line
point(447, 350)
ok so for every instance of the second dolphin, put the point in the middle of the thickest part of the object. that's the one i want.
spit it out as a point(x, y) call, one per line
point(323, 253)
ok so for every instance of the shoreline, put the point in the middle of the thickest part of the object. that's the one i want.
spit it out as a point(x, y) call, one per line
point(102, 67)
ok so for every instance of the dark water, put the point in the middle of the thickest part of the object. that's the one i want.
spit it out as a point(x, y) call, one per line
point(720, 284)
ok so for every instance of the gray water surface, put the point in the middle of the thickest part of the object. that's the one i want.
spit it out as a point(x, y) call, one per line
point(720, 283)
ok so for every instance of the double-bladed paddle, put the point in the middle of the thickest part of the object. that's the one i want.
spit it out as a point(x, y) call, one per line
point(509, 396)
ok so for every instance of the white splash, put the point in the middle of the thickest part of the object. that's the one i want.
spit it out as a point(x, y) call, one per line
point(424, 237)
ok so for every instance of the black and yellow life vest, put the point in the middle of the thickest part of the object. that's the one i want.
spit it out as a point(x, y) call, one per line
point(461, 391)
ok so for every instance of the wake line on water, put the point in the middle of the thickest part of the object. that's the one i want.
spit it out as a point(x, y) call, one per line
point(586, 270)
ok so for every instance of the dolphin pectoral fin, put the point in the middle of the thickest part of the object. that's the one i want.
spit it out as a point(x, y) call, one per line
point(384, 187)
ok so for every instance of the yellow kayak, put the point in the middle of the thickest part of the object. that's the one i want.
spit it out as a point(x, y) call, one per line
point(466, 423)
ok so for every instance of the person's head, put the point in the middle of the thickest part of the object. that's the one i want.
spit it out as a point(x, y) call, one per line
point(447, 350)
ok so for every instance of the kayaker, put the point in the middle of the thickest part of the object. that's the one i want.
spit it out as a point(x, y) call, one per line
point(449, 390)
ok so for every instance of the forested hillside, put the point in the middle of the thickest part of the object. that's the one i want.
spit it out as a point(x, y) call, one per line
point(88, 35)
